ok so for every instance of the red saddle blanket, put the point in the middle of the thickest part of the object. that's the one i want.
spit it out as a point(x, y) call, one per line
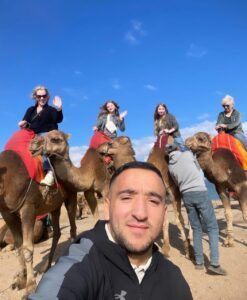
point(227, 141)
point(97, 139)
point(19, 143)
point(161, 141)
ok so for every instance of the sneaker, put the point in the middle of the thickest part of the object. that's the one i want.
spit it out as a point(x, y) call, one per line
point(48, 180)
point(199, 266)
point(218, 270)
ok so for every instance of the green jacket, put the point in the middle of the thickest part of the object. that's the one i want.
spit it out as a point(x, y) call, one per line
point(233, 122)
point(167, 122)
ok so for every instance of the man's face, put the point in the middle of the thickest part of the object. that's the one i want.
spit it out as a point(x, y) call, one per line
point(136, 209)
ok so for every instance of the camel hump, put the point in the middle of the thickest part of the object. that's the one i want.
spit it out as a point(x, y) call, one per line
point(227, 141)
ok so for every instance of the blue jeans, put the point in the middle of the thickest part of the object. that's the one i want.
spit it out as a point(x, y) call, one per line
point(46, 165)
point(179, 141)
point(199, 206)
point(242, 138)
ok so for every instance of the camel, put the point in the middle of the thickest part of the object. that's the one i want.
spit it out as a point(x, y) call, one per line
point(93, 175)
point(83, 209)
point(21, 200)
point(159, 158)
point(7, 239)
point(222, 169)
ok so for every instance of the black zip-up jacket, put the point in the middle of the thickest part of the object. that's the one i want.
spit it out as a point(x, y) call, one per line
point(96, 268)
point(44, 121)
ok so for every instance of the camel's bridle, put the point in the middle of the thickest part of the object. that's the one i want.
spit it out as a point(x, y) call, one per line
point(52, 153)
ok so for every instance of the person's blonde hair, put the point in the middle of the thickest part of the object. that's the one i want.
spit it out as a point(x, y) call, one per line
point(227, 100)
point(37, 88)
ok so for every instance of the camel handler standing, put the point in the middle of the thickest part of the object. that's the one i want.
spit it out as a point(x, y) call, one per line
point(118, 259)
point(188, 175)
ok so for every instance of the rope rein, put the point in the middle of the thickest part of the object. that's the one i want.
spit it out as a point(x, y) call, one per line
point(23, 199)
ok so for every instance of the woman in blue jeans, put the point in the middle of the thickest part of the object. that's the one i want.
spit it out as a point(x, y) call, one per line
point(166, 123)
point(187, 174)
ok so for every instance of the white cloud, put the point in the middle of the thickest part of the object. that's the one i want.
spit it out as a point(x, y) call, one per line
point(115, 84)
point(219, 93)
point(76, 153)
point(203, 116)
point(75, 93)
point(137, 27)
point(143, 146)
point(135, 33)
point(150, 87)
point(206, 126)
point(77, 72)
point(129, 37)
point(196, 51)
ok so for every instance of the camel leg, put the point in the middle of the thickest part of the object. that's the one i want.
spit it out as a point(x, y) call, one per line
point(71, 205)
point(180, 223)
point(93, 204)
point(166, 241)
point(28, 221)
point(14, 223)
point(56, 235)
point(229, 242)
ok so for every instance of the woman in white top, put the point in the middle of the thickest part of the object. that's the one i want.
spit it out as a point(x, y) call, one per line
point(109, 119)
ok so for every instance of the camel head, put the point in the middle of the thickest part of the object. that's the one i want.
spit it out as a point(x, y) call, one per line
point(53, 143)
point(200, 142)
point(120, 149)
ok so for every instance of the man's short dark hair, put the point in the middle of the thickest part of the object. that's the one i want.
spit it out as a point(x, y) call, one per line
point(135, 165)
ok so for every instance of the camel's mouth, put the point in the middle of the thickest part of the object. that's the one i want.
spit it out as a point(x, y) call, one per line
point(189, 143)
point(35, 149)
point(35, 152)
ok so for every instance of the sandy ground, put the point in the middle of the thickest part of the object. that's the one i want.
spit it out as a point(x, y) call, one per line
point(203, 286)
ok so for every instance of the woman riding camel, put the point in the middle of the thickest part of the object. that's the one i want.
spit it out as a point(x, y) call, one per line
point(105, 129)
point(166, 123)
point(229, 120)
point(42, 118)
point(109, 119)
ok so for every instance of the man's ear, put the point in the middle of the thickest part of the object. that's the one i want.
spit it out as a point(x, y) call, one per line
point(106, 208)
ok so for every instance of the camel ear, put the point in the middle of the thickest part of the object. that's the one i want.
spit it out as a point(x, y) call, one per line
point(67, 136)
point(124, 140)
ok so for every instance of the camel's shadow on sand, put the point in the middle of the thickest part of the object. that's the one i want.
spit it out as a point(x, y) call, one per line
point(60, 250)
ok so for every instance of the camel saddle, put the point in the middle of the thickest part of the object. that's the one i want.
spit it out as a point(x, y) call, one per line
point(97, 139)
point(161, 141)
point(227, 141)
point(19, 143)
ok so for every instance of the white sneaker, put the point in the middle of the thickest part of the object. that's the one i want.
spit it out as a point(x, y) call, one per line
point(48, 180)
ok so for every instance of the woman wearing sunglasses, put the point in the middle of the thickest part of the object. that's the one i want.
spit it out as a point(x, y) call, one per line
point(229, 120)
point(42, 118)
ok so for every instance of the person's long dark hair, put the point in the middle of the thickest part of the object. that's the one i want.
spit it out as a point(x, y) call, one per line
point(104, 111)
point(156, 114)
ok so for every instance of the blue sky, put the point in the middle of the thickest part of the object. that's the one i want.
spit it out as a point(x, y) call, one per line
point(186, 53)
